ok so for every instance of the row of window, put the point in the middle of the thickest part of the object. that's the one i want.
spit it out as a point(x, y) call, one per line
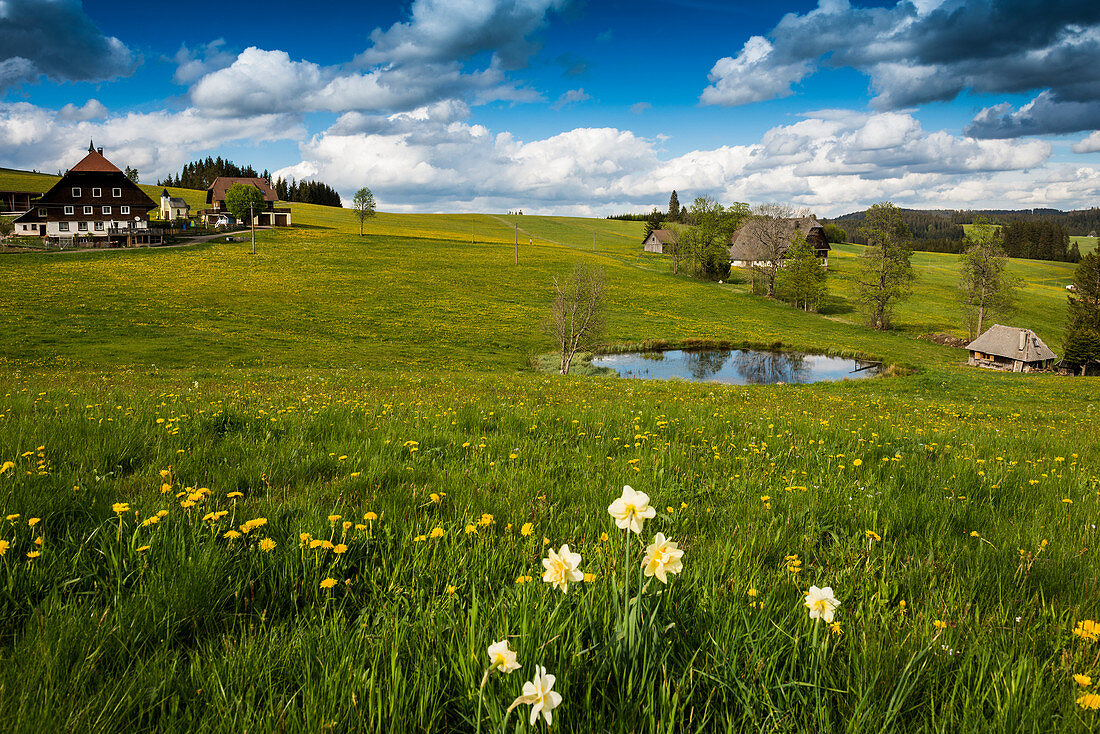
point(83, 226)
point(88, 210)
point(96, 192)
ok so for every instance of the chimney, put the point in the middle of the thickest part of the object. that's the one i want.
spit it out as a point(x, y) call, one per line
point(99, 150)
point(1023, 339)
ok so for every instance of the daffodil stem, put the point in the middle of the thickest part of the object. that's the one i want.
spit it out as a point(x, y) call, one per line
point(481, 695)
point(626, 599)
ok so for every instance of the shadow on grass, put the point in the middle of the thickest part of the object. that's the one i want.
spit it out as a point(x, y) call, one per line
point(311, 226)
point(835, 305)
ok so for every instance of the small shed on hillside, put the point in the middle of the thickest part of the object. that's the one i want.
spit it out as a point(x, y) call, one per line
point(1011, 349)
point(657, 240)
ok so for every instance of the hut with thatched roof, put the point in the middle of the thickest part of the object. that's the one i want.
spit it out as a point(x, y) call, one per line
point(1011, 349)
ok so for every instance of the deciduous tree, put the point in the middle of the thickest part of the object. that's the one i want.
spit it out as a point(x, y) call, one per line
point(578, 313)
point(772, 227)
point(884, 275)
point(363, 206)
point(802, 279)
point(984, 286)
point(244, 201)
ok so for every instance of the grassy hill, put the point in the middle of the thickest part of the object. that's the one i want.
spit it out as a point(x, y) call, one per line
point(308, 488)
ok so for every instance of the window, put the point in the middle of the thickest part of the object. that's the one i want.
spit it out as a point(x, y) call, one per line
point(41, 212)
point(99, 226)
point(97, 192)
point(82, 226)
point(76, 192)
point(106, 210)
point(87, 210)
point(63, 226)
point(68, 210)
point(116, 193)
point(124, 209)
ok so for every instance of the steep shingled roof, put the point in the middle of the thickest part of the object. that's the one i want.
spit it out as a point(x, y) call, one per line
point(95, 161)
point(1005, 341)
point(747, 244)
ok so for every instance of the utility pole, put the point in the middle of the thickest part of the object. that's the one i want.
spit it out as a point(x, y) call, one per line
point(473, 236)
point(517, 244)
point(593, 242)
point(253, 218)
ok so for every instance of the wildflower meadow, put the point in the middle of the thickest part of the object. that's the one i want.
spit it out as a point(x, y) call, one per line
point(212, 524)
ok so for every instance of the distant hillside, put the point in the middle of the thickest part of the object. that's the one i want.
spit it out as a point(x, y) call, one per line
point(1078, 222)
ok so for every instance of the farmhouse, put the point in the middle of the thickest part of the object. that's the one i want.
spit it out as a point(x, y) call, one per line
point(173, 207)
point(657, 240)
point(1011, 349)
point(268, 216)
point(749, 246)
point(94, 203)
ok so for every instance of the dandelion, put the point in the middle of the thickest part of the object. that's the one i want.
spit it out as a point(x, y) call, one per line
point(540, 694)
point(975, 534)
point(470, 529)
point(437, 532)
point(420, 538)
point(631, 510)
point(370, 517)
point(4, 545)
point(304, 538)
point(328, 583)
point(234, 495)
point(231, 534)
point(434, 497)
point(1088, 701)
point(6, 466)
point(346, 525)
point(117, 508)
point(940, 624)
point(561, 568)
point(339, 548)
point(451, 589)
point(753, 593)
point(872, 535)
point(485, 520)
point(33, 521)
point(334, 518)
point(662, 557)
point(165, 488)
point(523, 579)
point(527, 529)
point(821, 603)
point(502, 658)
point(835, 627)
point(33, 554)
point(1082, 680)
point(1087, 629)
point(589, 578)
point(267, 545)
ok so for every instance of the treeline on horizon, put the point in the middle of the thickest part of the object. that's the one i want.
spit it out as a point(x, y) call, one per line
point(200, 175)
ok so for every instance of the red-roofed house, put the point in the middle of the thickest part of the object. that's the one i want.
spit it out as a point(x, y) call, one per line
point(94, 203)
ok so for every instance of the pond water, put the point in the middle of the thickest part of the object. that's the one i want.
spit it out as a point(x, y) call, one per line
point(735, 366)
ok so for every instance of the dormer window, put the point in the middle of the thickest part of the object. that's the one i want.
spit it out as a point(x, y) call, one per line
point(97, 192)
point(106, 210)
point(87, 210)
point(76, 192)
point(69, 209)
point(116, 193)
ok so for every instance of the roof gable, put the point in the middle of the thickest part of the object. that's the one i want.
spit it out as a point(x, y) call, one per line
point(95, 161)
point(221, 184)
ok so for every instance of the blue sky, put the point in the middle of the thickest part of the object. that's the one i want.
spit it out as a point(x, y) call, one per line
point(567, 106)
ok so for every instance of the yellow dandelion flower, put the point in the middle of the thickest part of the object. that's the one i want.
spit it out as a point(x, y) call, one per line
point(873, 535)
point(231, 534)
point(1082, 680)
point(118, 508)
point(4, 545)
point(527, 529)
point(267, 545)
point(315, 543)
point(437, 532)
point(162, 514)
point(370, 517)
point(33, 554)
point(328, 583)
point(6, 466)
point(470, 529)
point(1087, 629)
point(420, 538)
point(304, 537)
point(340, 548)
point(334, 518)
point(1089, 701)
point(753, 593)
point(346, 525)
point(485, 520)
point(451, 589)
point(589, 578)
point(939, 624)
point(234, 495)
point(33, 521)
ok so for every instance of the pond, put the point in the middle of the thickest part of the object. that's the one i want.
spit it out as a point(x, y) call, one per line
point(735, 366)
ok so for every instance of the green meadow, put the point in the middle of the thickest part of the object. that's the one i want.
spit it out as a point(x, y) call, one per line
point(305, 490)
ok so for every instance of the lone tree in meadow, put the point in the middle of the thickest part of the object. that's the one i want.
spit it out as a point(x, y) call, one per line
point(884, 275)
point(1082, 344)
point(578, 313)
point(244, 201)
point(363, 206)
point(984, 286)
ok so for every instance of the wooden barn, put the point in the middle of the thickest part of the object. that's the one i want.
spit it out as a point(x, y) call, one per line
point(657, 240)
point(1010, 349)
point(269, 216)
point(748, 246)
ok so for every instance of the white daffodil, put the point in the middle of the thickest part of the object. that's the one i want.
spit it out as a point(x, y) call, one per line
point(662, 557)
point(501, 658)
point(821, 603)
point(631, 510)
point(561, 568)
point(538, 693)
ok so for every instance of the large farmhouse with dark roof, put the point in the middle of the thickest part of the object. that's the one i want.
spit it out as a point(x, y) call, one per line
point(748, 246)
point(93, 204)
point(269, 216)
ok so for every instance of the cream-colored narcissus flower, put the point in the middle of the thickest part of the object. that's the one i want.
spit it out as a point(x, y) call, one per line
point(821, 603)
point(501, 658)
point(631, 510)
point(662, 557)
point(540, 694)
point(561, 568)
